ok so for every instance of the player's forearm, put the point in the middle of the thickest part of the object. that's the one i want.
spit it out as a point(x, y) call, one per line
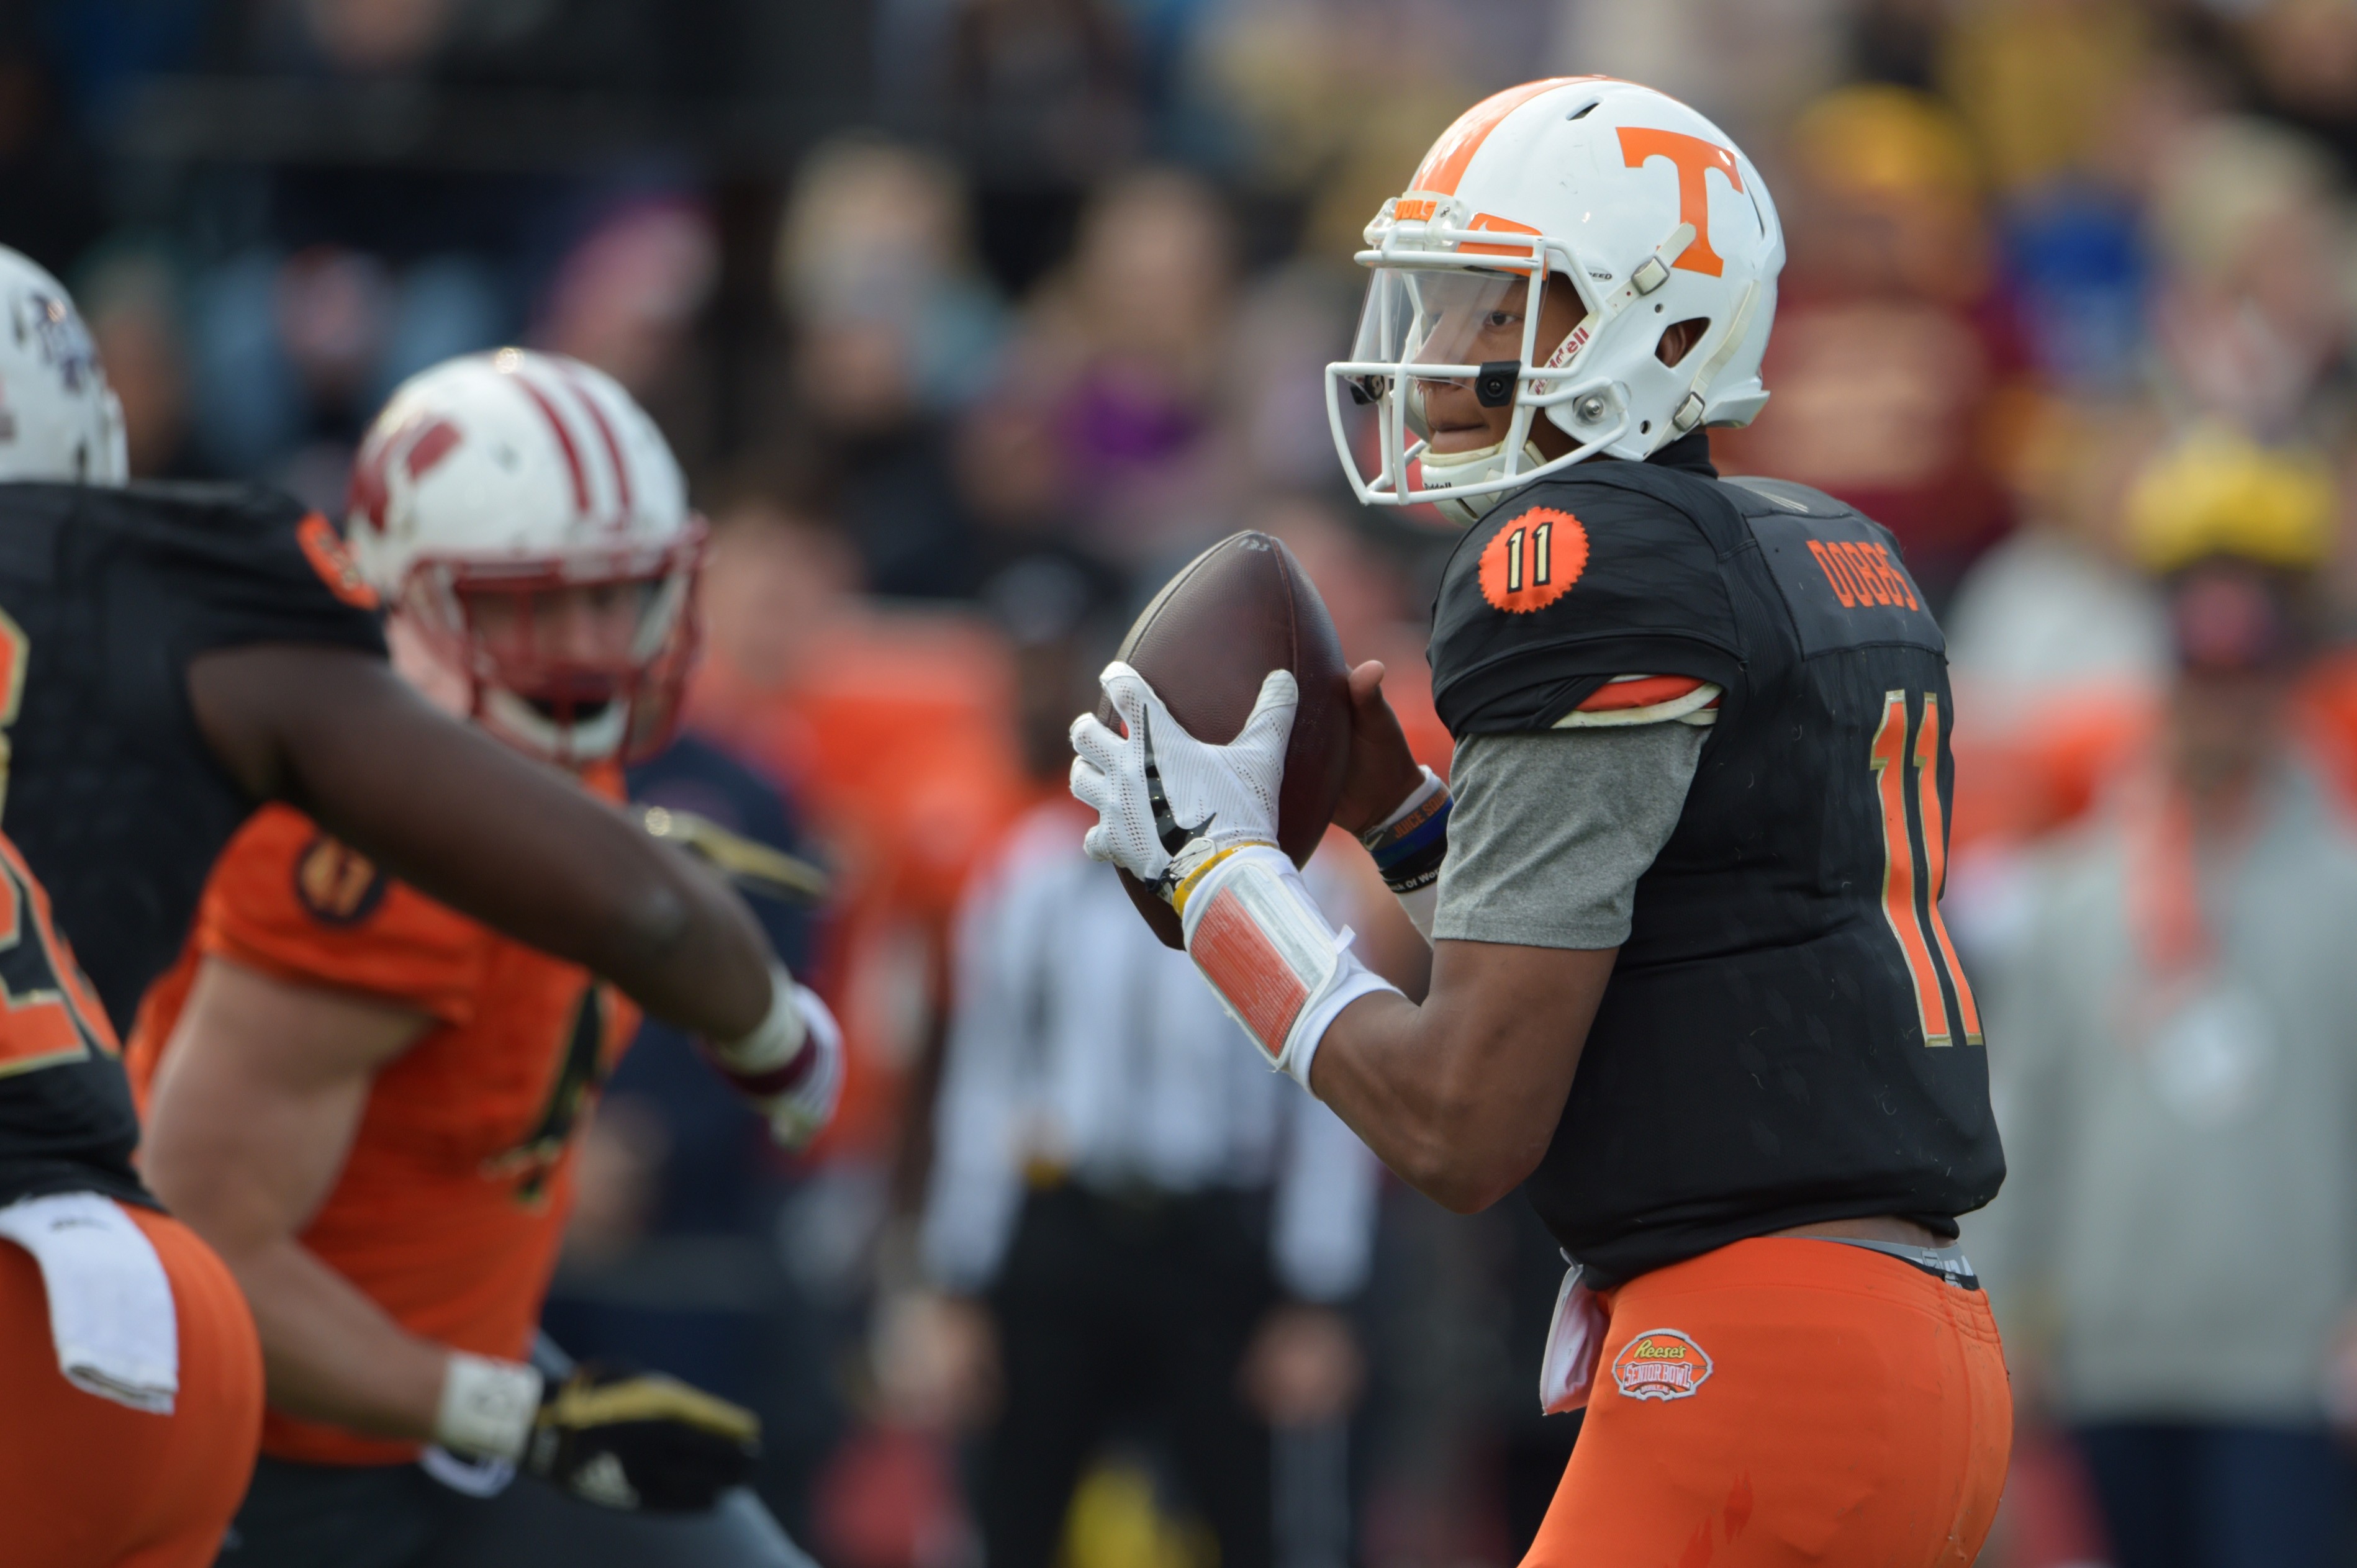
point(510, 842)
point(1423, 1105)
point(687, 950)
point(331, 1354)
point(565, 874)
point(1460, 1095)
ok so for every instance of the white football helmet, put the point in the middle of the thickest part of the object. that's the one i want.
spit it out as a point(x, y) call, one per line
point(491, 480)
point(1644, 209)
point(59, 419)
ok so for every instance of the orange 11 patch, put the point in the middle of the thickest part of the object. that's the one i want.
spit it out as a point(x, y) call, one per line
point(1661, 1364)
point(1533, 560)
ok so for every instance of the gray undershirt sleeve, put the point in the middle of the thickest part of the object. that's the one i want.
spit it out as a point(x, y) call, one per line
point(1550, 832)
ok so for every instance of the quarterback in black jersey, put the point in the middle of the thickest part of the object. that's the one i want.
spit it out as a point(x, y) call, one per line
point(1691, 989)
point(171, 657)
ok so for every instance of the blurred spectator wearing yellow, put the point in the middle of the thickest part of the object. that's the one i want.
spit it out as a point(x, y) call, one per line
point(2176, 1066)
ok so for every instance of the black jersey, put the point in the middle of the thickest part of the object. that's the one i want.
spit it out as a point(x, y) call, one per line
point(1787, 1037)
point(111, 793)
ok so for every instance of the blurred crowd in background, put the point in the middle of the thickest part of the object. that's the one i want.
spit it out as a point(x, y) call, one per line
point(970, 319)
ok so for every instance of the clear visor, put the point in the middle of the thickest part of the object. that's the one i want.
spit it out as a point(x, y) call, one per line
point(1454, 319)
point(1443, 315)
point(1474, 330)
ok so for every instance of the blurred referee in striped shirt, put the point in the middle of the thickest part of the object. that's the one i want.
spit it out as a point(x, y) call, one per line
point(1133, 1227)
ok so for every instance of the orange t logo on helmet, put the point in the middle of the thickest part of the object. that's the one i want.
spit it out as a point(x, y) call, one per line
point(1694, 157)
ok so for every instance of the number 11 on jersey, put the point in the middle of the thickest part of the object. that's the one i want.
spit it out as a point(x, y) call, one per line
point(1915, 921)
point(1542, 563)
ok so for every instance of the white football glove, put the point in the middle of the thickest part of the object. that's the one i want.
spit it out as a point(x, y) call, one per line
point(1167, 804)
point(791, 1066)
point(1197, 823)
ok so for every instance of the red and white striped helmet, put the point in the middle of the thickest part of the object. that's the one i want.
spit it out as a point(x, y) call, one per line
point(491, 478)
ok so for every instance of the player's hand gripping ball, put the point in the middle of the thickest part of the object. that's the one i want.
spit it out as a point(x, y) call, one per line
point(1167, 802)
point(1203, 652)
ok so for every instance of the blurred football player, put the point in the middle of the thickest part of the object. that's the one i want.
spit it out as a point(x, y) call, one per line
point(1690, 985)
point(368, 1103)
point(171, 657)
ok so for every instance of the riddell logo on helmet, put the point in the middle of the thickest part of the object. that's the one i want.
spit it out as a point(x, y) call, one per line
point(1661, 1364)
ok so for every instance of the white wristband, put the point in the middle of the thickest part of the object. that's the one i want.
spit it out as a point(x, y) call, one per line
point(1431, 786)
point(1276, 963)
point(488, 1406)
point(1420, 905)
point(777, 1039)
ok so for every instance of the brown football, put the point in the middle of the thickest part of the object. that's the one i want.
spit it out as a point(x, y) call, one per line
point(1237, 611)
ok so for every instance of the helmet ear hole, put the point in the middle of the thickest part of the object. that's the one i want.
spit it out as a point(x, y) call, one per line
point(1678, 338)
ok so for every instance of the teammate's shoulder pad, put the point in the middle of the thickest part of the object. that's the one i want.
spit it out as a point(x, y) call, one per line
point(247, 563)
point(227, 508)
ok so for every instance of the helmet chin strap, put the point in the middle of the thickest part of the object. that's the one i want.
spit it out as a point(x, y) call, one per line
point(1471, 467)
point(1690, 410)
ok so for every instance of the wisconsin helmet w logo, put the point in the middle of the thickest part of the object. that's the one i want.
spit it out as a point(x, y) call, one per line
point(1661, 1364)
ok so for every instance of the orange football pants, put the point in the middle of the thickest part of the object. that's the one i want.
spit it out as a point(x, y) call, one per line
point(88, 1483)
point(1784, 1402)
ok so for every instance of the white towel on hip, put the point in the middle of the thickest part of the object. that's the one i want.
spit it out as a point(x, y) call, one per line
point(110, 1309)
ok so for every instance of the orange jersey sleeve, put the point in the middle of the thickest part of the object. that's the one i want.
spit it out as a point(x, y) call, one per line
point(451, 1203)
point(291, 901)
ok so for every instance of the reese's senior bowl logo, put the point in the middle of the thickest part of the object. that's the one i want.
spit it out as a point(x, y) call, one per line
point(1661, 1364)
